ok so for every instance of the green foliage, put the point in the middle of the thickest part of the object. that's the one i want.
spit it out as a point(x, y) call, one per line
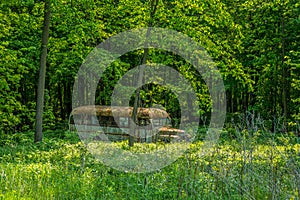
point(270, 43)
point(61, 168)
point(18, 62)
point(255, 45)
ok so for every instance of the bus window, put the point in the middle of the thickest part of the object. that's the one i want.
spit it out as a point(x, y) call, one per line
point(102, 120)
point(165, 121)
point(161, 122)
point(111, 121)
point(156, 122)
point(94, 120)
point(123, 121)
point(143, 122)
point(168, 121)
point(107, 121)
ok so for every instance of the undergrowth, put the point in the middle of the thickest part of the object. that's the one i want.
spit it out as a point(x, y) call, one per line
point(258, 165)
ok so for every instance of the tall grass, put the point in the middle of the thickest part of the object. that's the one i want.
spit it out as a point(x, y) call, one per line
point(245, 164)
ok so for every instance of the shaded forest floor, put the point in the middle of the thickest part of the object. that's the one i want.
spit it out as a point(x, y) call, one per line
point(258, 166)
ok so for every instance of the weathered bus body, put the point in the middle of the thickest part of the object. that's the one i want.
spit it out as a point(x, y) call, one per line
point(113, 122)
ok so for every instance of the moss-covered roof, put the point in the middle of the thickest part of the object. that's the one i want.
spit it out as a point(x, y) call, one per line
point(150, 113)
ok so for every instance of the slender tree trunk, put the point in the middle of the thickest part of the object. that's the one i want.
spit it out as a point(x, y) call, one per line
point(137, 96)
point(140, 78)
point(60, 99)
point(67, 97)
point(274, 93)
point(41, 85)
point(284, 79)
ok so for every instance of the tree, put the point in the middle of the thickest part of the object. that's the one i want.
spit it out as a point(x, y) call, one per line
point(136, 105)
point(20, 34)
point(41, 84)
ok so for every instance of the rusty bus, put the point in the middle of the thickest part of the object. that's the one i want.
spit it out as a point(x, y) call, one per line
point(154, 124)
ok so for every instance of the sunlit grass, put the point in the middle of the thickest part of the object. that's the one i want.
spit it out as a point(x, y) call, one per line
point(62, 168)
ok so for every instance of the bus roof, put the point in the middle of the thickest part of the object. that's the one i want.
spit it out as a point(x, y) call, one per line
point(120, 111)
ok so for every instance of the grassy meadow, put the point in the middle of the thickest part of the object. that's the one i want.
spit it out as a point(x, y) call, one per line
point(241, 166)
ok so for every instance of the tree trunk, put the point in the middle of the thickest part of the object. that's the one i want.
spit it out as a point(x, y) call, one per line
point(140, 79)
point(60, 99)
point(284, 79)
point(67, 96)
point(41, 85)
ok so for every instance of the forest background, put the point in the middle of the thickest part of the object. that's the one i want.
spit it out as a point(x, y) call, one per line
point(255, 45)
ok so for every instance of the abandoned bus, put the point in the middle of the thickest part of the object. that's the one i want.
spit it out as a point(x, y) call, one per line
point(154, 124)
